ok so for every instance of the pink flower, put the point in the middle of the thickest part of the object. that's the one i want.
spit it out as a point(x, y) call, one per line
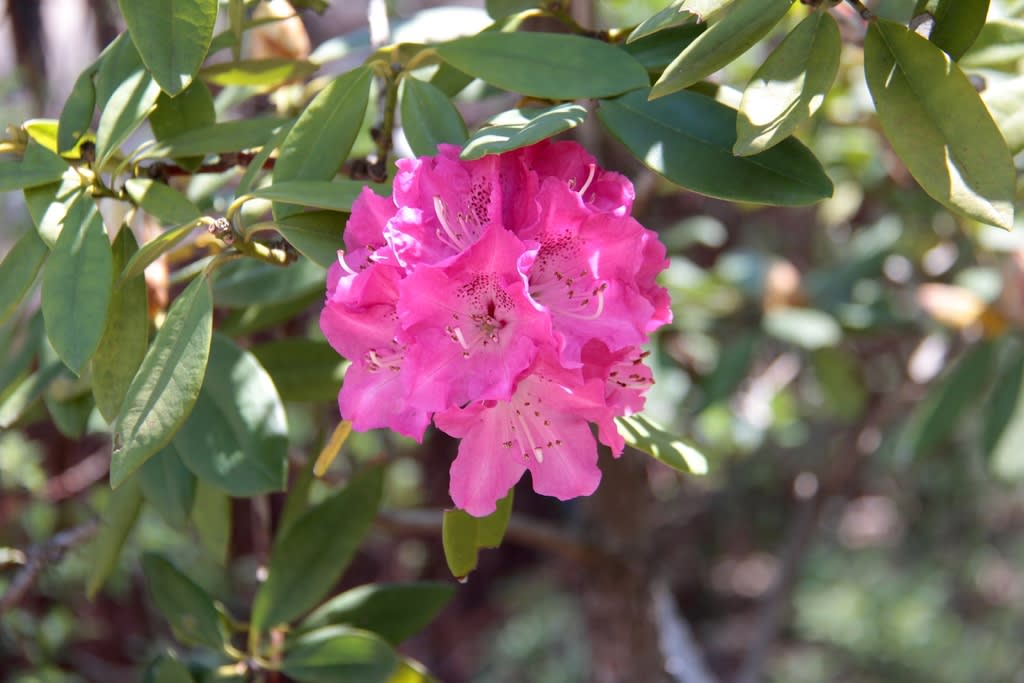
point(505, 299)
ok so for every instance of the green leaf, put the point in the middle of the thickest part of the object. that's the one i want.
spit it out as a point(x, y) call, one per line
point(69, 415)
point(744, 23)
point(115, 65)
point(172, 37)
point(545, 65)
point(321, 138)
point(934, 419)
point(18, 271)
point(26, 393)
point(153, 249)
point(731, 369)
point(76, 116)
point(312, 553)
point(317, 234)
point(394, 611)
point(790, 86)
point(116, 522)
point(302, 369)
point(957, 25)
point(186, 606)
point(77, 285)
point(128, 107)
point(211, 516)
point(644, 434)
point(255, 167)
point(237, 435)
point(241, 283)
point(961, 161)
point(190, 109)
point(463, 535)
point(671, 16)
point(48, 204)
point(1004, 427)
point(522, 127)
point(160, 201)
point(40, 166)
point(429, 118)
point(168, 486)
point(166, 387)
point(125, 335)
point(688, 138)
point(337, 654)
point(499, 9)
point(228, 136)
point(334, 195)
point(657, 50)
point(167, 669)
point(999, 45)
point(258, 73)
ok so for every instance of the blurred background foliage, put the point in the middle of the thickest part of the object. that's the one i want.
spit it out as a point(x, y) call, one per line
point(852, 370)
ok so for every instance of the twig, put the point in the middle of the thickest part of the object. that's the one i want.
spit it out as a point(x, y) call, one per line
point(78, 477)
point(683, 659)
point(38, 557)
point(522, 531)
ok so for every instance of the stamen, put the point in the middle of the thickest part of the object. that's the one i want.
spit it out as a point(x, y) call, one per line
point(461, 339)
point(343, 264)
point(442, 217)
point(592, 171)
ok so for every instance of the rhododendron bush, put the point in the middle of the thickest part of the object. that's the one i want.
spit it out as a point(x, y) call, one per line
point(312, 310)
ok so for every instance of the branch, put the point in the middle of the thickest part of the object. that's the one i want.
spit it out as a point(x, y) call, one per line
point(39, 556)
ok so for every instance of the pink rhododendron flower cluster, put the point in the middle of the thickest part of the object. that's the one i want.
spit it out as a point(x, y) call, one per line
point(505, 299)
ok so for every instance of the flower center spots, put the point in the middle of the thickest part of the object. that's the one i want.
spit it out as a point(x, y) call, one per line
point(384, 357)
point(572, 292)
point(484, 316)
point(530, 428)
point(462, 229)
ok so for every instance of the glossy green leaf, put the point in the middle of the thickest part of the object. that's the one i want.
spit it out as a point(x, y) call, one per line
point(934, 419)
point(744, 23)
point(644, 434)
point(302, 369)
point(48, 204)
point(790, 86)
point(211, 516)
point(957, 25)
point(190, 109)
point(172, 37)
point(255, 167)
point(18, 271)
point(168, 486)
point(153, 249)
point(316, 234)
point(125, 335)
point(162, 202)
point(499, 9)
point(394, 611)
point(999, 45)
point(167, 669)
point(411, 671)
point(116, 522)
point(1003, 433)
point(333, 195)
point(657, 50)
point(118, 62)
point(463, 535)
point(312, 553)
point(128, 107)
point(39, 167)
point(242, 283)
point(338, 654)
point(670, 17)
point(688, 138)
point(522, 127)
point(545, 65)
point(961, 161)
point(218, 138)
point(258, 73)
point(77, 285)
point(429, 118)
point(166, 387)
point(69, 415)
point(237, 435)
point(26, 392)
point(76, 116)
point(1005, 101)
point(185, 605)
point(258, 317)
